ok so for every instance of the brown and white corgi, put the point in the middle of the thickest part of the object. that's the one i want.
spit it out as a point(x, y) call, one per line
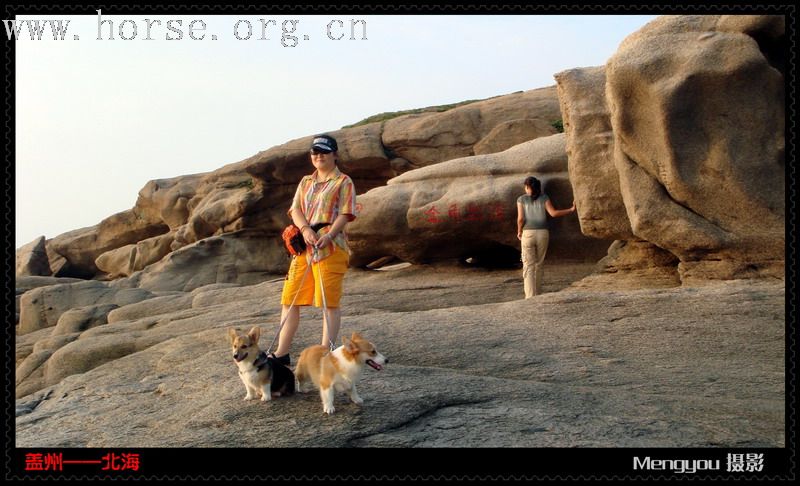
point(336, 370)
point(261, 375)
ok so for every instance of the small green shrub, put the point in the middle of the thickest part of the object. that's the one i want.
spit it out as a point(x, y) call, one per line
point(247, 183)
point(394, 114)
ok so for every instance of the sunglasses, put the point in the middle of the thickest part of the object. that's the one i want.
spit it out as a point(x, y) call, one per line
point(315, 151)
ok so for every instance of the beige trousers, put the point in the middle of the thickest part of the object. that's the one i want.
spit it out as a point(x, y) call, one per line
point(534, 248)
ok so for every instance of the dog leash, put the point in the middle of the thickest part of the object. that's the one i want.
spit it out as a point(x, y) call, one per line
point(325, 316)
point(283, 321)
point(300, 287)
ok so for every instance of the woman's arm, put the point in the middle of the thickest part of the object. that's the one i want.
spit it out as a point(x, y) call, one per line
point(520, 220)
point(336, 228)
point(557, 213)
point(299, 220)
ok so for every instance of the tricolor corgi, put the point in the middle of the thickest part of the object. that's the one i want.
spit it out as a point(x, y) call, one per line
point(336, 370)
point(261, 375)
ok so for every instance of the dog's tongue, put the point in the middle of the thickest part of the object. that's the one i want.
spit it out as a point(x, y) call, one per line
point(374, 365)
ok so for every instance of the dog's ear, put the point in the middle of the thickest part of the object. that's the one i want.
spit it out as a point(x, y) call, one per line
point(350, 345)
point(231, 334)
point(356, 337)
point(255, 333)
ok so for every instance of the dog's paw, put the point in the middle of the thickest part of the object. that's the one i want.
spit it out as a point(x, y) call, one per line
point(248, 397)
point(357, 400)
point(328, 409)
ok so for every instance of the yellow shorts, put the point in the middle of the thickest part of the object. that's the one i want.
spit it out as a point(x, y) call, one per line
point(333, 270)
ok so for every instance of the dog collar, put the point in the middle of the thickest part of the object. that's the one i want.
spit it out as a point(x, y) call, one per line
point(261, 361)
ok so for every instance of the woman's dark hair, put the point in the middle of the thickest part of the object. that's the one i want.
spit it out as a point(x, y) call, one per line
point(535, 185)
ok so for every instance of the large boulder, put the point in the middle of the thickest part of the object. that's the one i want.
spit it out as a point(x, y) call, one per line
point(81, 342)
point(596, 184)
point(698, 117)
point(31, 259)
point(24, 284)
point(467, 208)
point(631, 265)
point(513, 132)
point(490, 125)
point(42, 307)
point(124, 261)
point(169, 200)
point(80, 248)
point(590, 150)
point(80, 319)
point(151, 307)
point(684, 129)
point(244, 257)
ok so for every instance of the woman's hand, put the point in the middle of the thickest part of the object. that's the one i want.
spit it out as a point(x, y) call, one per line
point(309, 235)
point(324, 240)
point(573, 207)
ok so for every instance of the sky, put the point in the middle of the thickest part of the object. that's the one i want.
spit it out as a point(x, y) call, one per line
point(98, 118)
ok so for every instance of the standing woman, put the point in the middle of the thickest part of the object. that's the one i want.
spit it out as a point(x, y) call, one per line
point(532, 211)
point(324, 203)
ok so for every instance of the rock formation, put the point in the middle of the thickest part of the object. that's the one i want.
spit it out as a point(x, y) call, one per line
point(255, 193)
point(43, 306)
point(467, 208)
point(31, 259)
point(491, 125)
point(684, 128)
point(471, 365)
point(242, 257)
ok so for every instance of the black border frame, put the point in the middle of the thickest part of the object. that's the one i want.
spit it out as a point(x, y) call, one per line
point(408, 464)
